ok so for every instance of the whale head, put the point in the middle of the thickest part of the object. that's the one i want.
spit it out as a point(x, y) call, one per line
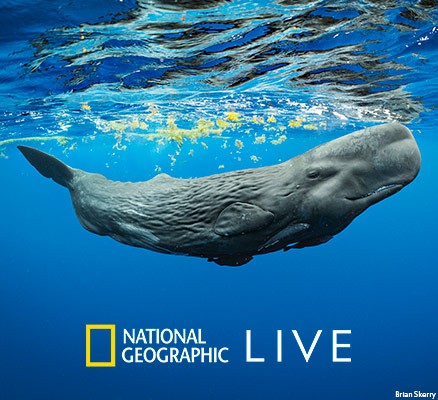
point(342, 178)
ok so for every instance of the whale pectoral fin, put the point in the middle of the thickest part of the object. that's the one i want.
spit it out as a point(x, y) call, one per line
point(286, 235)
point(231, 261)
point(240, 218)
point(309, 243)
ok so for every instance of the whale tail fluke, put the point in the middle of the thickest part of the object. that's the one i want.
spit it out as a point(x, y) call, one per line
point(48, 166)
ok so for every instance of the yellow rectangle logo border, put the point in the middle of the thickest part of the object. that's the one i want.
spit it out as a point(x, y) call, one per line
point(88, 329)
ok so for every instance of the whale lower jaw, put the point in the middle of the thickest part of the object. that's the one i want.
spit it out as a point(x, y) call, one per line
point(381, 192)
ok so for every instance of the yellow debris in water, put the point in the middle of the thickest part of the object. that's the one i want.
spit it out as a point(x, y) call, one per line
point(222, 124)
point(143, 126)
point(84, 50)
point(134, 124)
point(203, 128)
point(310, 127)
point(260, 139)
point(119, 146)
point(280, 140)
point(254, 158)
point(258, 120)
point(117, 126)
point(233, 116)
point(172, 159)
point(272, 118)
point(62, 140)
point(204, 145)
point(238, 143)
point(153, 110)
point(82, 37)
point(296, 123)
point(129, 128)
point(85, 106)
point(172, 131)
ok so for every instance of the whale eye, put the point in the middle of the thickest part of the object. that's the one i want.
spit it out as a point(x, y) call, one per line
point(313, 174)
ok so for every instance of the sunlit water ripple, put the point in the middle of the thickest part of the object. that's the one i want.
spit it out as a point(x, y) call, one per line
point(185, 70)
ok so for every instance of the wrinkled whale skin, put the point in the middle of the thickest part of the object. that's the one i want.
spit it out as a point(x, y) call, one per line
point(230, 217)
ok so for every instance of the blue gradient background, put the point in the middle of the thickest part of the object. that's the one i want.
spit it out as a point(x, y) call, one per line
point(378, 278)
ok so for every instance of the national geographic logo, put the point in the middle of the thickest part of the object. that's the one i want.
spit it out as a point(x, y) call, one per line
point(150, 346)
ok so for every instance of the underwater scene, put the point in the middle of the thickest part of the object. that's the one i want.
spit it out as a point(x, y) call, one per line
point(205, 119)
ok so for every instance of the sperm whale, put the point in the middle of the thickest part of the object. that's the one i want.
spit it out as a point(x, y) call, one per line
point(229, 218)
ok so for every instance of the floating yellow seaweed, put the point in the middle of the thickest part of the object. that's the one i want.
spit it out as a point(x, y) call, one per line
point(296, 123)
point(153, 110)
point(254, 158)
point(85, 106)
point(172, 131)
point(143, 126)
point(258, 120)
point(310, 127)
point(280, 140)
point(134, 124)
point(260, 139)
point(117, 126)
point(119, 146)
point(222, 124)
point(73, 146)
point(238, 143)
point(232, 116)
point(120, 126)
point(272, 119)
point(203, 128)
point(62, 140)
point(172, 159)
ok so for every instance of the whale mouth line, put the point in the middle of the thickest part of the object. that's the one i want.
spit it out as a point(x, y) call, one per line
point(386, 189)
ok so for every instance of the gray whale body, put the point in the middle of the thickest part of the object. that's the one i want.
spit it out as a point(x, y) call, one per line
point(228, 218)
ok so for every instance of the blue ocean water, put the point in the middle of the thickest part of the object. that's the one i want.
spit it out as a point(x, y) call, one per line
point(191, 88)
